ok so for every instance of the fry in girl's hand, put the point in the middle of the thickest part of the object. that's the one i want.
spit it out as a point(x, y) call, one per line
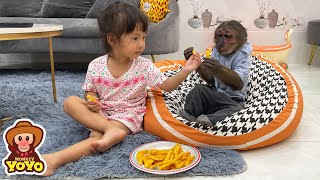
point(91, 98)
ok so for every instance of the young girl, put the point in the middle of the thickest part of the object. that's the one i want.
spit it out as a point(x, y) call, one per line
point(117, 82)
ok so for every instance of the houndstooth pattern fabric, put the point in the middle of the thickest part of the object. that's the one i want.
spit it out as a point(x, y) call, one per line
point(266, 97)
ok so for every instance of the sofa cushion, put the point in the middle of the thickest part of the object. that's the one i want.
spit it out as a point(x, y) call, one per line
point(155, 10)
point(99, 5)
point(20, 8)
point(66, 9)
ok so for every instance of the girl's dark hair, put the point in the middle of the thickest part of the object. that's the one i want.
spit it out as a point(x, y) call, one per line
point(120, 18)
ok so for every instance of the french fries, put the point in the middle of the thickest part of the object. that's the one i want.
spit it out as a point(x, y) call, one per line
point(165, 159)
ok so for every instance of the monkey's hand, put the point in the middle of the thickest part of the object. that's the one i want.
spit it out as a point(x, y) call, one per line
point(212, 65)
point(188, 52)
point(209, 69)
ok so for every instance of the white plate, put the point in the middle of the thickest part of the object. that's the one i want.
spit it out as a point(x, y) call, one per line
point(164, 145)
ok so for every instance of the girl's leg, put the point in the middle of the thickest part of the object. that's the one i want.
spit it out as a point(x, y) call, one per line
point(110, 138)
point(77, 108)
point(70, 154)
point(113, 131)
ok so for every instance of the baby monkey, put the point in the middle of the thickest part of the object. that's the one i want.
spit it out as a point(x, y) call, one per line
point(226, 71)
point(229, 37)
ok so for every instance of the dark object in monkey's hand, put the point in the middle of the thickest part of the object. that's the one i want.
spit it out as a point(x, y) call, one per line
point(188, 52)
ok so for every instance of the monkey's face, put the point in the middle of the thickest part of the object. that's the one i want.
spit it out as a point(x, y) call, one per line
point(226, 41)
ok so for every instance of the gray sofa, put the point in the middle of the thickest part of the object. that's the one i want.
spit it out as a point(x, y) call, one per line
point(80, 31)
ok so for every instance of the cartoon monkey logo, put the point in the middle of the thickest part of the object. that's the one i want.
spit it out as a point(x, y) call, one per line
point(23, 139)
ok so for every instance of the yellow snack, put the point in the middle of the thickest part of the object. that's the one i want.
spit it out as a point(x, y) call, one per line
point(158, 164)
point(176, 163)
point(162, 151)
point(165, 159)
point(143, 152)
point(91, 98)
point(157, 157)
point(208, 52)
point(148, 163)
point(189, 159)
point(177, 149)
point(140, 160)
point(166, 166)
point(145, 158)
point(140, 155)
point(180, 164)
point(168, 156)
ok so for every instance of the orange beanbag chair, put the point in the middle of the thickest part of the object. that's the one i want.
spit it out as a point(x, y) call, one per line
point(272, 110)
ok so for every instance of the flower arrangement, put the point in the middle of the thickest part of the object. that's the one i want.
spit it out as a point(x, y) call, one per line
point(263, 6)
point(196, 7)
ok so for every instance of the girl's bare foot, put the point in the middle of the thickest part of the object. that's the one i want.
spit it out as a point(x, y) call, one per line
point(52, 164)
point(111, 137)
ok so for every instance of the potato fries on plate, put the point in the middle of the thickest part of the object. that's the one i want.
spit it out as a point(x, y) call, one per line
point(164, 157)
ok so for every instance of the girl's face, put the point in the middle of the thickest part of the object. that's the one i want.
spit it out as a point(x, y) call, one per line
point(131, 45)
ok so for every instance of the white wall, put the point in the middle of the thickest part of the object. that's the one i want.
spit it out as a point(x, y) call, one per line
point(295, 13)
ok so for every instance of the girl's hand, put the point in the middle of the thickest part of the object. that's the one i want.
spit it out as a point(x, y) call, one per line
point(192, 63)
point(94, 105)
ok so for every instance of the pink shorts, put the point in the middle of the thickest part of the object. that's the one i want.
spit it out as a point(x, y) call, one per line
point(131, 119)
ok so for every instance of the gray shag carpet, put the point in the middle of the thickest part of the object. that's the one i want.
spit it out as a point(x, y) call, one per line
point(28, 94)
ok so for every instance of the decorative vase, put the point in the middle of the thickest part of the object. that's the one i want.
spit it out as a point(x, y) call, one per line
point(261, 22)
point(195, 22)
point(206, 17)
point(300, 21)
point(273, 18)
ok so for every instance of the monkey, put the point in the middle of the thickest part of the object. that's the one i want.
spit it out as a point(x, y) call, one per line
point(226, 73)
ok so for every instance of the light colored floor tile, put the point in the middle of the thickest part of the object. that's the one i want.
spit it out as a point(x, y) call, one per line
point(312, 107)
point(312, 102)
point(294, 160)
point(307, 78)
point(286, 160)
point(308, 130)
point(308, 86)
point(315, 116)
point(296, 68)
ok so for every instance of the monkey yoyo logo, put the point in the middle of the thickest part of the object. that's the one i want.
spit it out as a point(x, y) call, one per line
point(22, 140)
